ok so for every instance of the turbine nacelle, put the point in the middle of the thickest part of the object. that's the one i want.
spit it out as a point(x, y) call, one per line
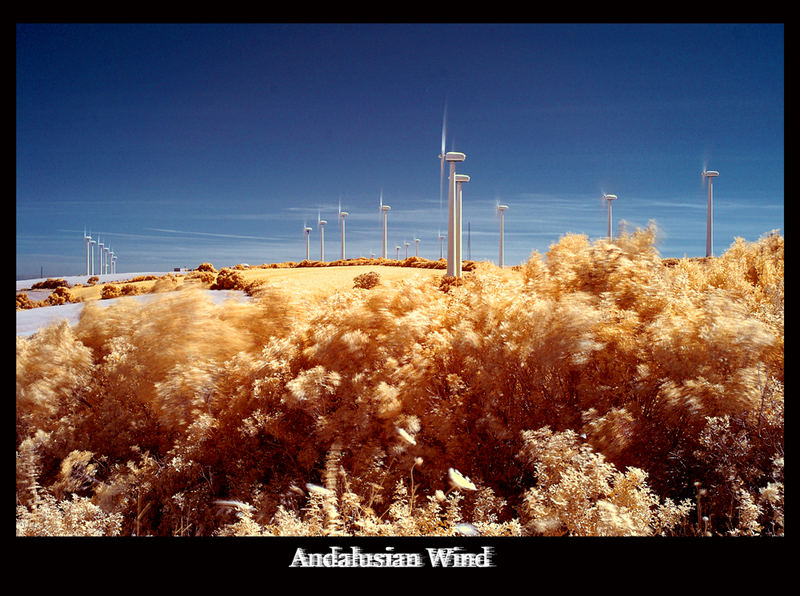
point(454, 156)
point(710, 174)
point(610, 197)
point(461, 177)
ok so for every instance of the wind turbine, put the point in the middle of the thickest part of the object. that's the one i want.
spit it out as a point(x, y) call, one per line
point(501, 209)
point(321, 223)
point(458, 257)
point(105, 259)
point(397, 252)
point(710, 174)
point(407, 245)
point(441, 244)
point(86, 240)
point(342, 215)
point(608, 199)
point(99, 256)
point(453, 228)
point(384, 209)
point(91, 247)
point(307, 232)
point(416, 247)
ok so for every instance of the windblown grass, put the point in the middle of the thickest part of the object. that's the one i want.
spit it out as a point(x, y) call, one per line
point(593, 392)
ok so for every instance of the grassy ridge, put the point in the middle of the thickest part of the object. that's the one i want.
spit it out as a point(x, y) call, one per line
point(594, 391)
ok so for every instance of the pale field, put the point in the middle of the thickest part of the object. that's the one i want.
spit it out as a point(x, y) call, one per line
point(300, 279)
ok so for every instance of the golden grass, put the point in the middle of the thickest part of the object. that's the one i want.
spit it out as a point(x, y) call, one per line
point(592, 391)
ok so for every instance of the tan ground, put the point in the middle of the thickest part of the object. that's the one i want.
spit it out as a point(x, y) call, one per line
point(323, 279)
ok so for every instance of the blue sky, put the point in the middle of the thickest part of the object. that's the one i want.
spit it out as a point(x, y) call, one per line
point(182, 143)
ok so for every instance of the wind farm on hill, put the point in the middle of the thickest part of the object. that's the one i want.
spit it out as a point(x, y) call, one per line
point(594, 390)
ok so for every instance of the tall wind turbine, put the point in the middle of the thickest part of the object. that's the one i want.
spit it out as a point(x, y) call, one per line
point(307, 232)
point(342, 215)
point(105, 259)
point(710, 174)
point(441, 244)
point(321, 223)
point(91, 247)
point(453, 229)
point(113, 262)
point(501, 209)
point(86, 240)
point(407, 245)
point(460, 179)
point(397, 252)
point(384, 209)
point(416, 247)
point(608, 199)
point(99, 256)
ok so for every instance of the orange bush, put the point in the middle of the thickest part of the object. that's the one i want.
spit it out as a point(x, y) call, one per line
point(596, 392)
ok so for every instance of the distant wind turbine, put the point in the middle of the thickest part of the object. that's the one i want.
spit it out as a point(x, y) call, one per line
point(710, 174)
point(501, 209)
point(342, 215)
point(91, 246)
point(397, 252)
point(99, 257)
point(86, 240)
point(416, 247)
point(307, 232)
point(321, 223)
point(384, 209)
point(441, 245)
point(407, 245)
point(608, 199)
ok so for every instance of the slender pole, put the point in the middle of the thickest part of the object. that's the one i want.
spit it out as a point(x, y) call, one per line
point(322, 241)
point(458, 255)
point(501, 237)
point(709, 222)
point(609, 219)
point(451, 251)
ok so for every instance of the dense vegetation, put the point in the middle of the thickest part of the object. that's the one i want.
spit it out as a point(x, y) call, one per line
point(598, 392)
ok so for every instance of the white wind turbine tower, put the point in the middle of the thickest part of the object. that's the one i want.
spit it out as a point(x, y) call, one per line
point(416, 247)
point(105, 259)
point(407, 245)
point(307, 232)
point(99, 257)
point(453, 228)
point(397, 252)
point(86, 240)
point(710, 174)
point(384, 209)
point(321, 223)
point(113, 262)
point(460, 179)
point(91, 248)
point(608, 199)
point(501, 209)
point(342, 215)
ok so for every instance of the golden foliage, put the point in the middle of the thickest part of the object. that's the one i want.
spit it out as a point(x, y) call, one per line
point(595, 391)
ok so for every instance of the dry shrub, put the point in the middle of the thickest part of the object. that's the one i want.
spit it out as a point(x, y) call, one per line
point(165, 283)
point(92, 280)
point(345, 413)
point(228, 279)
point(202, 276)
point(206, 267)
point(24, 302)
point(110, 291)
point(50, 284)
point(367, 280)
